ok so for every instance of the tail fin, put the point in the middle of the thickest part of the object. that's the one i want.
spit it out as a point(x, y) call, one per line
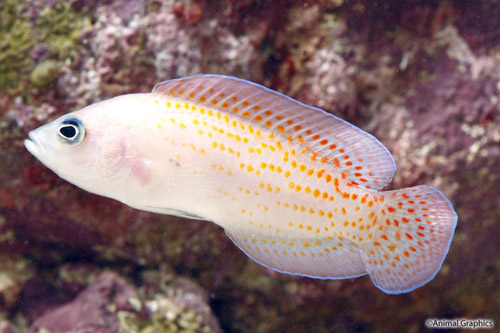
point(412, 238)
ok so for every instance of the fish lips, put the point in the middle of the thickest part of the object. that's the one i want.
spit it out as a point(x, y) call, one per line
point(34, 145)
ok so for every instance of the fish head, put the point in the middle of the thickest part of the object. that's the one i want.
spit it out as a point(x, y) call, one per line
point(90, 148)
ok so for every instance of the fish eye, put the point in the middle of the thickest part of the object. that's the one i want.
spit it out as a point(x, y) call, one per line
point(71, 131)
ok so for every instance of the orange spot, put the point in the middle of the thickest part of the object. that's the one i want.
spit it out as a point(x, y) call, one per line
point(391, 209)
point(336, 182)
point(323, 142)
point(408, 236)
point(245, 103)
point(363, 199)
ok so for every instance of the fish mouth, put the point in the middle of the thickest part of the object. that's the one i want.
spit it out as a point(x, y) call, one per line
point(31, 145)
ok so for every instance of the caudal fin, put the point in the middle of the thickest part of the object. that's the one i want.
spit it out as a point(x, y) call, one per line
point(412, 237)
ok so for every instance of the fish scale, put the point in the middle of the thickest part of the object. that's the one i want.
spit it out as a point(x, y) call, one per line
point(295, 188)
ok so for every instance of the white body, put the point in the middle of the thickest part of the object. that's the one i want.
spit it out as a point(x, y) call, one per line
point(294, 187)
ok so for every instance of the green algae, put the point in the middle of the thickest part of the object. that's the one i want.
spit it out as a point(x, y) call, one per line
point(45, 72)
point(16, 41)
point(60, 28)
point(57, 29)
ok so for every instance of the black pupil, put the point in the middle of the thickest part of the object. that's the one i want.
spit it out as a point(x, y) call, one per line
point(68, 131)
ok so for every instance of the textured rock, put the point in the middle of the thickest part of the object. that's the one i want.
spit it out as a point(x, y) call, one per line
point(110, 304)
point(93, 310)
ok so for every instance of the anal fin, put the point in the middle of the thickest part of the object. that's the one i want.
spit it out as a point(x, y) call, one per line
point(328, 258)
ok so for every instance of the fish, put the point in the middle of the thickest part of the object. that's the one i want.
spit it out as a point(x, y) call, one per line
point(297, 189)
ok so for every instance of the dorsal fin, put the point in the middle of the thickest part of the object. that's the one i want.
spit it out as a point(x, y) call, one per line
point(359, 157)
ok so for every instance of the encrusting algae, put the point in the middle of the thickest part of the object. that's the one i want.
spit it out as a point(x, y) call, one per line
point(295, 188)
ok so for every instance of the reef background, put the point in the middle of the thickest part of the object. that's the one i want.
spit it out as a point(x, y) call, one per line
point(422, 76)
